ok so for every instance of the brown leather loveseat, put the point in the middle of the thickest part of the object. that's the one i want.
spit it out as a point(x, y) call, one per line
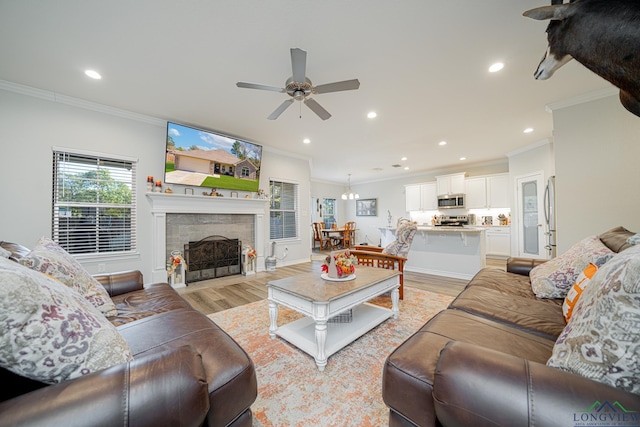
point(186, 370)
point(482, 362)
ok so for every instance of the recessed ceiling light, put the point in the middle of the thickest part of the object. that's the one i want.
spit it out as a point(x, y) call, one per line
point(463, 158)
point(406, 168)
point(442, 143)
point(93, 74)
point(306, 141)
point(372, 115)
point(403, 159)
point(528, 130)
point(496, 67)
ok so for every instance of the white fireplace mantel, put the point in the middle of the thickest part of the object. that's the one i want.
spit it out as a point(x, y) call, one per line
point(163, 204)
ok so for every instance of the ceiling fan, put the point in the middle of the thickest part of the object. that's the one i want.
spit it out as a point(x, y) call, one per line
point(299, 87)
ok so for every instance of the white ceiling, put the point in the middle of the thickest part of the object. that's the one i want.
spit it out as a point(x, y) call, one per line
point(422, 67)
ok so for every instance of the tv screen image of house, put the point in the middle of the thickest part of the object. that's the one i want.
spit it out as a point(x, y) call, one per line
point(204, 158)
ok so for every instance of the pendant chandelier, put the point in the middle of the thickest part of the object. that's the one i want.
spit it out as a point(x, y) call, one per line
point(350, 194)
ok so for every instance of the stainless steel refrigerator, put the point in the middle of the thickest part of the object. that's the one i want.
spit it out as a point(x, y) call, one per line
point(550, 216)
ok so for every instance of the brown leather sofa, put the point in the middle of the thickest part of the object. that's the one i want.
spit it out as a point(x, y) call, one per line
point(481, 362)
point(186, 370)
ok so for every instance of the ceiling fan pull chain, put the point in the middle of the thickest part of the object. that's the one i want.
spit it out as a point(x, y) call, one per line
point(300, 103)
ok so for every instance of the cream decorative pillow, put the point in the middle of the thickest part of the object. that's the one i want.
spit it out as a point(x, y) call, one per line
point(576, 290)
point(4, 253)
point(602, 340)
point(50, 258)
point(49, 332)
point(404, 238)
point(554, 278)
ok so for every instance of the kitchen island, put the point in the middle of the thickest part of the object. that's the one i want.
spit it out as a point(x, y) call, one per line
point(450, 251)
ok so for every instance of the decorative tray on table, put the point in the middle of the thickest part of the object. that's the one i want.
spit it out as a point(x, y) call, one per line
point(325, 276)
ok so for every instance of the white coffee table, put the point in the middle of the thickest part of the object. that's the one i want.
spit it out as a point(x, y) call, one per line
point(320, 300)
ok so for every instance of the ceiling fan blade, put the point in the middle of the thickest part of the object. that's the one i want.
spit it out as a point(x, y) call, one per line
point(261, 87)
point(299, 64)
point(276, 113)
point(317, 108)
point(338, 86)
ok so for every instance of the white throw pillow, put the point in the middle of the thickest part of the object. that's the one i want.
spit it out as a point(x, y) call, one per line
point(49, 332)
point(602, 339)
point(50, 258)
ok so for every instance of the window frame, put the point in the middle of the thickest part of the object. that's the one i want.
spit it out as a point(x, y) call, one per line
point(130, 247)
point(295, 199)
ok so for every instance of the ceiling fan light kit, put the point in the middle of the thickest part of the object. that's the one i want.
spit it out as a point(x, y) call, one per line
point(299, 87)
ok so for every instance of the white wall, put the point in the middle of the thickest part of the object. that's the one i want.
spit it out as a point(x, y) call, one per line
point(31, 125)
point(537, 157)
point(597, 153)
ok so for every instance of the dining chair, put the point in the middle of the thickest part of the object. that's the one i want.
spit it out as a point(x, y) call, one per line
point(319, 236)
point(348, 235)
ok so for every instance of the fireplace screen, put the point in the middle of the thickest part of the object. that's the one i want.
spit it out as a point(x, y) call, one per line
point(211, 257)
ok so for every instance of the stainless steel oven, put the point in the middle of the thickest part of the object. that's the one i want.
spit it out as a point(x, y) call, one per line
point(451, 201)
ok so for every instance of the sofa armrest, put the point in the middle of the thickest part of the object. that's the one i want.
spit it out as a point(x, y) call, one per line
point(481, 387)
point(121, 282)
point(523, 266)
point(163, 389)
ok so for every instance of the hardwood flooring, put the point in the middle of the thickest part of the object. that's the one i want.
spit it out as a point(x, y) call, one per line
point(211, 296)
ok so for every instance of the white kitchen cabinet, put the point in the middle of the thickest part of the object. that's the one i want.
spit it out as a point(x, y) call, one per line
point(451, 184)
point(498, 191)
point(498, 242)
point(476, 193)
point(421, 197)
point(488, 192)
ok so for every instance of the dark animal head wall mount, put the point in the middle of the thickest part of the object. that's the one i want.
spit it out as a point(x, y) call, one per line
point(602, 35)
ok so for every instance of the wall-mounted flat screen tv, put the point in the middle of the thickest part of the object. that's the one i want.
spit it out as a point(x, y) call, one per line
point(203, 158)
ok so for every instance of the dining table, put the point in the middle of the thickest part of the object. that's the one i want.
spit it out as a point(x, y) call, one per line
point(336, 235)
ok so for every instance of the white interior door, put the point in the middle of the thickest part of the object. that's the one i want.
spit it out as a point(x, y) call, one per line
point(530, 196)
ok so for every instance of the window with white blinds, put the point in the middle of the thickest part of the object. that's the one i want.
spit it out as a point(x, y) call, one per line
point(283, 210)
point(94, 203)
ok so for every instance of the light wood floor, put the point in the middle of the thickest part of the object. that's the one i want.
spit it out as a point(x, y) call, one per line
point(210, 296)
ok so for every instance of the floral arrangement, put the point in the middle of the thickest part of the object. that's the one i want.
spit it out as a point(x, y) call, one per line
point(345, 263)
point(175, 261)
point(251, 253)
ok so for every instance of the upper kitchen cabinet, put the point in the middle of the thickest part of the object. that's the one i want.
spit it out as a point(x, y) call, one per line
point(451, 184)
point(421, 197)
point(498, 191)
point(488, 192)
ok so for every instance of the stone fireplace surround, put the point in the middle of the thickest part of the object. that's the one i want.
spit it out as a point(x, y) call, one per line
point(167, 204)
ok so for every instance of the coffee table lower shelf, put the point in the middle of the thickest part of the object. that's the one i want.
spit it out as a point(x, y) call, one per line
point(302, 332)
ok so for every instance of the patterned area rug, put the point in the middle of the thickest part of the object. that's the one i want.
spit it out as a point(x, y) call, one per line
point(291, 389)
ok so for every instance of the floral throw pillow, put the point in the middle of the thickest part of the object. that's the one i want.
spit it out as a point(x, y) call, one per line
point(50, 258)
point(49, 332)
point(602, 339)
point(554, 278)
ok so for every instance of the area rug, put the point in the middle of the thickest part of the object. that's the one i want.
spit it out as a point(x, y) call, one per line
point(291, 389)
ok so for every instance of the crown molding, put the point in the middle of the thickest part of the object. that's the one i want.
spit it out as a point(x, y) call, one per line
point(79, 103)
point(581, 99)
point(529, 147)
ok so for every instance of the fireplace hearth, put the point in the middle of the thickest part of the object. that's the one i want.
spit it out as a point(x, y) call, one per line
point(212, 257)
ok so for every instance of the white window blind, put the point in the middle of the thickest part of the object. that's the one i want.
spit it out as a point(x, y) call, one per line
point(283, 210)
point(94, 203)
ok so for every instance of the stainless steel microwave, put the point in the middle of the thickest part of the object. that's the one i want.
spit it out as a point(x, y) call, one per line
point(451, 201)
